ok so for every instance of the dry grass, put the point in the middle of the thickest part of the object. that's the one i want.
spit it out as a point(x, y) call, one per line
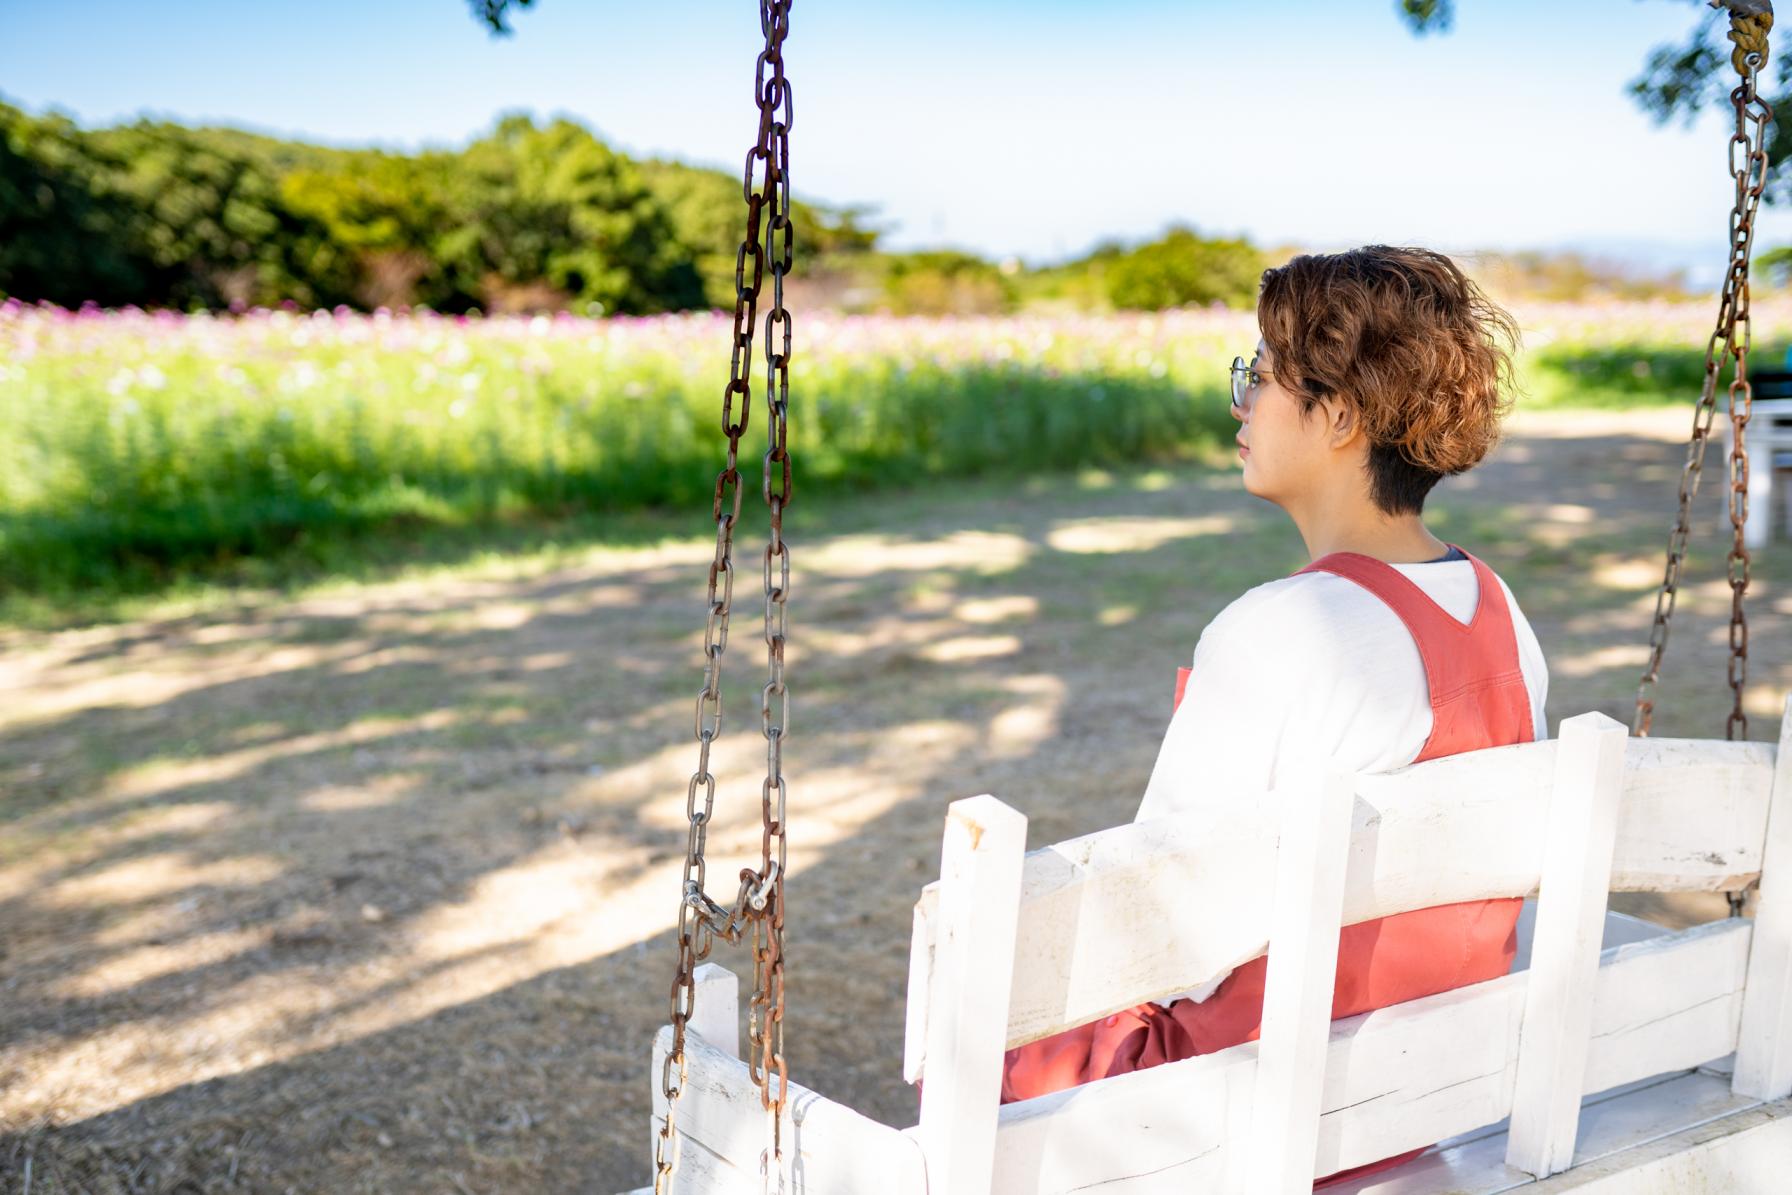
point(371, 890)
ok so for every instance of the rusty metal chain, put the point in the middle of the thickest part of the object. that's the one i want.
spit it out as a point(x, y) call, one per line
point(759, 904)
point(1731, 338)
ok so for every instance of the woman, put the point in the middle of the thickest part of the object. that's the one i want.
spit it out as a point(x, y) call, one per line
point(1380, 371)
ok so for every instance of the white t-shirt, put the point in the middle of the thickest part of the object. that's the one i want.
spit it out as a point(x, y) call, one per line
point(1305, 669)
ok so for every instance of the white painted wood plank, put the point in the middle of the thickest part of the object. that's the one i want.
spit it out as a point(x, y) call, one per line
point(1693, 815)
point(920, 966)
point(1408, 1076)
point(1297, 998)
point(1466, 827)
point(715, 1008)
point(1395, 1079)
point(968, 992)
point(1161, 1129)
point(722, 1131)
point(1652, 1013)
point(1764, 1050)
point(1558, 1012)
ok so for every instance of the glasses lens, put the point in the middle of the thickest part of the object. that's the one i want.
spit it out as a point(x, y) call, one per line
point(1240, 375)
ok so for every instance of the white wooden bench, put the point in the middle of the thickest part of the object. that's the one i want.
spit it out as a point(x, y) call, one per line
point(1661, 1064)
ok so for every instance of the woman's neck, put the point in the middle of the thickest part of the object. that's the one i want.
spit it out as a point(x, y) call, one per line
point(1396, 539)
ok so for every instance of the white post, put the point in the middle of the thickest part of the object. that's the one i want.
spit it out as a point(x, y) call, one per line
point(1558, 1007)
point(715, 1007)
point(1297, 998)
point(1764, 1045)
point(967, 1015)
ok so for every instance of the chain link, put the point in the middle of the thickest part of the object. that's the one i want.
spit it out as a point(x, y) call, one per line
point(1731, 338)
point(759, 905)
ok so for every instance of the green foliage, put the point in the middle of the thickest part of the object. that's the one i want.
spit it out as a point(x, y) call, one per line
point(207, 220)
point(382, 213)
point(1428, 16)
point(1182, 268)
point(1077, 285)
point(945, 282)
point(526, 217)
point(1626, 376)
point(556, 206)
point(1775, 266)
point(494, 14)
point(61, 236)
point(707, 212)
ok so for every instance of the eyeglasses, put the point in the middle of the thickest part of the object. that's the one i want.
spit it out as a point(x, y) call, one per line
point(1247, 380)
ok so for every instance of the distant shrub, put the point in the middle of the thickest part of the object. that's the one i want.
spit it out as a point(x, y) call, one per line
point(1183, 268)
point(945, 282)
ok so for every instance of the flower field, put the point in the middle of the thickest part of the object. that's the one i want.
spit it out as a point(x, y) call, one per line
point(139, 446)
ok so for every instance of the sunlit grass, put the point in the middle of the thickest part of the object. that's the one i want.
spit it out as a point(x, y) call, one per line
point(136, 449)
point(159, 454)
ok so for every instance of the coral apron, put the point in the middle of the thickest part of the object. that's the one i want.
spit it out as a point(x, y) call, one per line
point(1478, 699)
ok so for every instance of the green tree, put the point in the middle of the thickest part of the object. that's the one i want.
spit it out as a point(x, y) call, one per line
point(708, 216)
point(161, 214)
point(945, 282)
point(556, 206)
point(60, 239)
point(384, 211)
point(209, 219)
point(1182, 267)
point(1775, 265)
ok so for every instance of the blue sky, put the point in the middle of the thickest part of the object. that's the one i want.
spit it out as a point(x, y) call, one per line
point(1024, 128)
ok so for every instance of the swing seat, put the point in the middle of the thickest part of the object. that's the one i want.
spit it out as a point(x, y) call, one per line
point(1616, 1057)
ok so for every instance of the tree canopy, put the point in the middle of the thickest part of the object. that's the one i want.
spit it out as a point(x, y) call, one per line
point(528, 215)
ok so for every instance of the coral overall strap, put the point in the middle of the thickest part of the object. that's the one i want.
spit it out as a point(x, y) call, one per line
point(1472, 672)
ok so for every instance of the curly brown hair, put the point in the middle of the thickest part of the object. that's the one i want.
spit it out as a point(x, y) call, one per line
point(1420, 353)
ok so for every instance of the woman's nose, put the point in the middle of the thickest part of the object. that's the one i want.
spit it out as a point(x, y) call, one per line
point(1238, 413)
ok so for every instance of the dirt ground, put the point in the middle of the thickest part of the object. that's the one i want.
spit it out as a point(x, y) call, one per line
point(372, 890)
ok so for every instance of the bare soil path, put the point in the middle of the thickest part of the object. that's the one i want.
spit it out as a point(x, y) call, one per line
point(371, 890)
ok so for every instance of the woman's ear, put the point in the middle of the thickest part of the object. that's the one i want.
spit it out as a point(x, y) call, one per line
point(1342, 421)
